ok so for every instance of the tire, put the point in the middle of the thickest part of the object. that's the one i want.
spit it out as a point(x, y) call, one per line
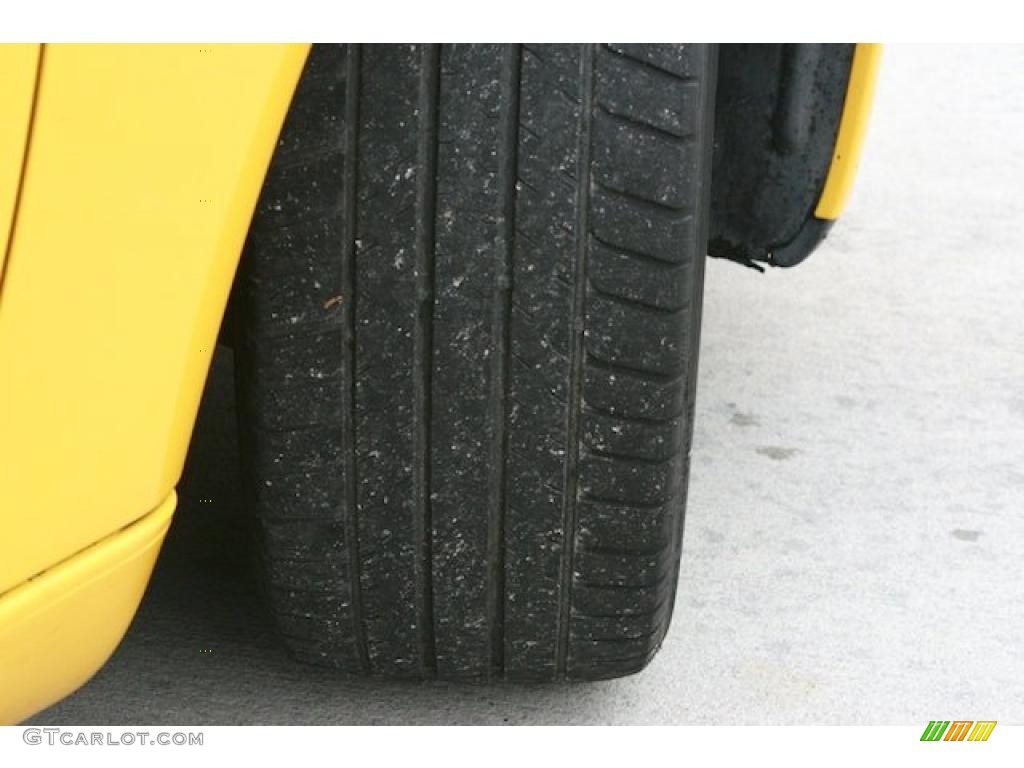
point(469, 318)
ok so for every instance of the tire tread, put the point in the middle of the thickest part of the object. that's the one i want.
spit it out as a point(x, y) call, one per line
point(470, 310)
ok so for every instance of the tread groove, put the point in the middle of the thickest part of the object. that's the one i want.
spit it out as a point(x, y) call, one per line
point(648, 65)
point(577, 349)
point(612, 366)
point(654, 611)
point(609, 501)
point(629, 458)
point(642, 587)
point(639, 304)
point(657, 263)
point(350, 195)
point(641, 420)
point(625, 551)
point(425, 245)
point(654, 261)
point(642, 126)
point(502, 343)
point(641, 200)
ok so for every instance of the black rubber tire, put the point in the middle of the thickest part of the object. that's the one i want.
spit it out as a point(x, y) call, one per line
point(469, 319)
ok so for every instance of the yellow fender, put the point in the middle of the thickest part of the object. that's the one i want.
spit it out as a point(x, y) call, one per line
point(142, 169)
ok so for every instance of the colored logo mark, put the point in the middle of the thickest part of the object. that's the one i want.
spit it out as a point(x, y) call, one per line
point(958, 730)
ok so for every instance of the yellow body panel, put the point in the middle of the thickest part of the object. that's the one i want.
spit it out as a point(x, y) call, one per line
point(143, 169)
point(17, 89)
point(853, 128)
point(58, 629)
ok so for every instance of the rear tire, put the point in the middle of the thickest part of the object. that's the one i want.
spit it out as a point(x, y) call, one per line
point(469, 320)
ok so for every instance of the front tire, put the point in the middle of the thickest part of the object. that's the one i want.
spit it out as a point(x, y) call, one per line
point(470, 311)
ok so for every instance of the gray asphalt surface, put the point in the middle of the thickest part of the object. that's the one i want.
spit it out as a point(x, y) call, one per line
point(854, 540)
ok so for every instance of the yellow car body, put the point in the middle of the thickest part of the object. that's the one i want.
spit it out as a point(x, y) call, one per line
point(128, 177)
